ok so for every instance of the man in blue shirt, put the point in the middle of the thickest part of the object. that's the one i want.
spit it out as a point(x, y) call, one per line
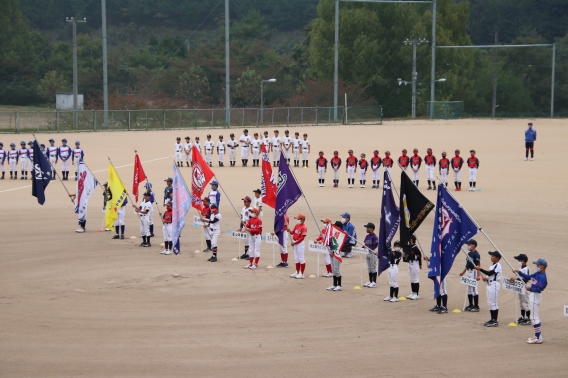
point(530, 138)
point(349, 228)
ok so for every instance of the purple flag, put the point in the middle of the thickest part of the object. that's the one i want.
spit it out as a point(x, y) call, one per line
point(287, 193)
point(390, 220)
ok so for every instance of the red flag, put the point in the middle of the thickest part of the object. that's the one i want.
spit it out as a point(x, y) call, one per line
point(139, 176)
point(200, 177)
point(268, 182)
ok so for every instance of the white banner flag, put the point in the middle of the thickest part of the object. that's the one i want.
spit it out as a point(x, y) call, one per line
point(86, 184)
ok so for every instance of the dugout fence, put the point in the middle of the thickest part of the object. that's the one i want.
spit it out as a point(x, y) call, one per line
point(170, 119)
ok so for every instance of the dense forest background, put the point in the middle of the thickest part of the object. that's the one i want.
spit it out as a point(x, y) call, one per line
point(170, 53)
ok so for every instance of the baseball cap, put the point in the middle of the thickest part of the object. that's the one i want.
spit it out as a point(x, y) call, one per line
point(147, 194)
point(326, 220)
point(300, 216)
point(169, 179)
point(77, 142)
point(522, 256)
point(369, 225)
point(187, 137)
point(350, 151)
point(148, 185)
point(542, 262)
point(495, 253)
point(31, 142)
point(51, 140)
point(208, 135)
point(257, 191)
point(472, 241)
point(396, 243)
point(246, 198)
point(178, 138)
point(214, 183)
point(376, 151)
point(64, 140)
point(13, 144)
point(206, 199)
point(345, 215)
point(213, 206)
point(335, 152)
point(105, 184)
point(253, 210)
point(22, 142)
point(530, 123)
point(41, 145)
point(321, 152)
point(412, 237)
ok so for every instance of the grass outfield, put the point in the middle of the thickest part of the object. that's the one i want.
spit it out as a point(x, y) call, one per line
point(85, 305)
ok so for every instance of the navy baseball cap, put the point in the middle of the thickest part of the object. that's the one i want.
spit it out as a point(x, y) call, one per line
point(247, 198)
point(1, 144)
point(64, 140)
point(522, 256)
point(31, 142)
point(42, 145)
point(22, 142)
point(214, 183)
point(206, 199)
point(472, 241)
point(345, 215)
point(213, 206)
point(51, 140)
point(369, 225)
point(542, 262)
point(77, 142)
point(13, 144)
point(169, 179)
point(495, 253)
point(148, 185)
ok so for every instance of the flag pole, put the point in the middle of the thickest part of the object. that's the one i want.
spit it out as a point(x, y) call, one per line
point(187, 189)
point(57, 174)
point(127, 194)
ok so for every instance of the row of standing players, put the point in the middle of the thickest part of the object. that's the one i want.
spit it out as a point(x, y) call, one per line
point(249, 146)
point(405, 162)
point(25, 155)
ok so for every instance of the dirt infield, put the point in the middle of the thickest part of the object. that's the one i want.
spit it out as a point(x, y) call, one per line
point(85, 305)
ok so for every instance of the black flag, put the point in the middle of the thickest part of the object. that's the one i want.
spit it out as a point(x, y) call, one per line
point(41, 176)
point(414, 208)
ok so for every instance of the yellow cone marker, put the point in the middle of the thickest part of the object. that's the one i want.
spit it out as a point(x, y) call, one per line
point(401, 298)
point(357, 287)
point(512, 324)
point(457, 311)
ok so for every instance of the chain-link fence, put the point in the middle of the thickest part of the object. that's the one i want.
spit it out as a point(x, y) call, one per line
point(93, 120)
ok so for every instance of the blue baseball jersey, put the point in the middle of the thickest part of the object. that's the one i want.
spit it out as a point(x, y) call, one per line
point(23, 153)
point(2, 156)
point(530, 135)
point(78, 154)
point(64, 152)
point(538, 281)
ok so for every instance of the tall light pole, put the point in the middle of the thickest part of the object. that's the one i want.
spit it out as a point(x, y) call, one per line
point(336, 61)
point(415, 42)
point(105, 72)
point(227, 68)
point(262, 97)
point(433, 68)
point(75, 85)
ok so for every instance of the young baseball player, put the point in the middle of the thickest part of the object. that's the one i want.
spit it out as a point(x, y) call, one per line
point(255, 145)
point(326, 256)
point(335, 267)
point(443, 166)
point(414, 260)
point(275, 148)
point(245, 216)
point(375, 163)
point(53, 154)
point(178, 148)
point(254, 228)
point(284, 247)
point(457, 163)
point(299, 233)
point(441, 306)
point(143, 212)
point(287, 146)
point(350, 169)
point(167, 230)
point(208, 146)
point(530, 138)
point(266, 140)
point(187, 150)
point(13, 161)
point(335, 164)
point(305, 150)
point(65, 156)
point(78, 156)
point(31, 156)
point(168, 190)
point(473, 165)
point(297, 145)
point(415, 163)
point(214, 194)
point(394, 259)
point(197, 144)
point(24, 159)
point(2, 159)
point(119, 222)
point(321, 168)
point(214, 225)
point(430, 161)
point(205, 216)
point(232, 146)
point(363, 165)
point(493, 280)
point(538, 284)
point(524, 299)
point(43, 150)
point(404, 160)
point(387, 163)
point(148, 187)
point(257, 202)
point(349, 228)
point(245, 147)
point(474, 259)
point(221, 146)
point(82, 221)
point(372, 243)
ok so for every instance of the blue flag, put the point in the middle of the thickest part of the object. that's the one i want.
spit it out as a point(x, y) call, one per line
point(180, 207)
point(390, 219)
point(452, 229)
point(41, 176)
point(287, 194)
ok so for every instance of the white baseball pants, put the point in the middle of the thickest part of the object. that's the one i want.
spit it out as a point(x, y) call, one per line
point(472, 275)
point(535, 299)
point(492, 292)
point(351, 172)
point(362, 174)
point(245, 151)
point(215, 238)
point(13, 165)
point(206, 233)
point(276, 154)
point(255, 153)
point(2, 166)
point(178, 157)
point(254, 247)
point(413, 269)
point(376, 174)
point(430, 172)
point(336, 174)
point(326, 258)
point(321, 172)
point(392, 273)
point(458, 175)
point(65, 165)
point(443, 290)
point(524, 299)
point(188, 160)
point(167, 230)
point(221, 156)
point(284, 248)
point(473, 174)
point(208, 156)
point(144, 225)
point(24, 163)
point(120, 220)
point(296, 154)
point(299, 250)
point(232, 154)
point(286, 153)
point(415, 175)
point(389, 170)
point(305, 154)
point(444, 175)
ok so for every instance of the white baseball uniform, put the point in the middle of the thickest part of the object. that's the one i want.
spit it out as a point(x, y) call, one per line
point(221, 146)
point(493, 286)
point(296, 146)
point(215, 229)
point(287, 146)
point(305, 148)
point(232, 146)
point(144, 218)
point(276, 141)
point(524, 299)
point(208, 145)
point(245, 215)
point(2, 158)
point(187, 150)
point(178, 148)
point(255, 145)
point(78, 155)
point(413, 270)
point(13, 160)
point(24, 159)
point(245, 146)
point(257, 203)
point(197, 145)
point(53, 154)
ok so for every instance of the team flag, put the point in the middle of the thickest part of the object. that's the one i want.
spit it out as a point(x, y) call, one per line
point(139, 176)
point(415, 207)
point(86, 185)
point(287, 194)
point(390, 220)
point(182, 203)
point(41, 176)
point(200, 177)
point(452, 229)
point(334, 238)
point(116, 194)
point(268, 182)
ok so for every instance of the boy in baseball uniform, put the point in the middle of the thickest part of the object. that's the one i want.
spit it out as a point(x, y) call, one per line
point(415, 163)
point(53, 155)
point(414, 260)
point(255, 145)
point(524, 299)
point(266, 140)
point(24, 158)
point(538, 284)
point(275, 147)
point(2, 159)
point(178, 149)
point(65, 157)
point(208, 146)
point(167, 230)
point(244, 140)
point(299, 233)
point(493, 281)
point(394, 259)
point(372, 243)
point(215, 194)
point(143, 210)
point(404, 160)
point(305, 150)
point(363, 165)
point(387, 163)
point(13, 161)
point(441, 306)
point(473, 165)
point(430, 161)
point(232, 146)
point(335, 164)
point(205, 216)
point(284, 247)
point(443, 166)
point(530, 138)
point(321, 168)
point(78, 156)
point(287, 146)
point(457, 163)
point(187, 149)
point(335, 267)
point(245, 216)
point(257, 202)
point(31, 157)
point(254, 228)
point(214, 225)
point(148, 187)
point(197, 144)
point(350, 168)
point(42, 149)
point(376, 162)
point(326, 256)
point(296, 145)
point(221, 146)
point(474, 259)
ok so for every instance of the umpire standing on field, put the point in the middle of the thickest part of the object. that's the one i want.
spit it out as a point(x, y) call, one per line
point(530, 138)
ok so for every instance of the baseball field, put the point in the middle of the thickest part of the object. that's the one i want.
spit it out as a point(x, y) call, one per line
point(85, 305)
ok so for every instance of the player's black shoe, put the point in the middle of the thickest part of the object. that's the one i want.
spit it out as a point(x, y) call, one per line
point(122, 236)
point(210, 258)
point(468, 308)
point(281, 265)
point(213, 259)
point(244, 256)
point(443, 310)
point(435, 308)
point(474, 309)
point(116, 236)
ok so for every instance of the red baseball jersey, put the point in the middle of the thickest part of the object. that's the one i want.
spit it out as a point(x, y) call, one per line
point(444, 163)
point(430, 160)
point(403, 161)
point(387, 162)
point(457, 162)
point(363, 164)
point(376, 161)
point(351, 161)
point(299, 232)
point(335, 162)
point(416, 160)
point(255, 225)
point(473, 162)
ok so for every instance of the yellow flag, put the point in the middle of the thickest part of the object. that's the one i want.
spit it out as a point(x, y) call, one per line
point(116, 195)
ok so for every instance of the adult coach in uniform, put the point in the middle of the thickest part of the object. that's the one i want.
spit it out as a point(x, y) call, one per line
point(530, 138)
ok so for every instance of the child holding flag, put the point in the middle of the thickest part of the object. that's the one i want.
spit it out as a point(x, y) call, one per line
point(524, 299)
point(143, 212)
point(298, 235)
point(214, 225)
point(205, 216)
point(284, 246)
point(336, 261)
point(394, 260)
point(493, 280)
point(254, 228)
point(167, 229)
point(320, 240)
point(371, 242)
